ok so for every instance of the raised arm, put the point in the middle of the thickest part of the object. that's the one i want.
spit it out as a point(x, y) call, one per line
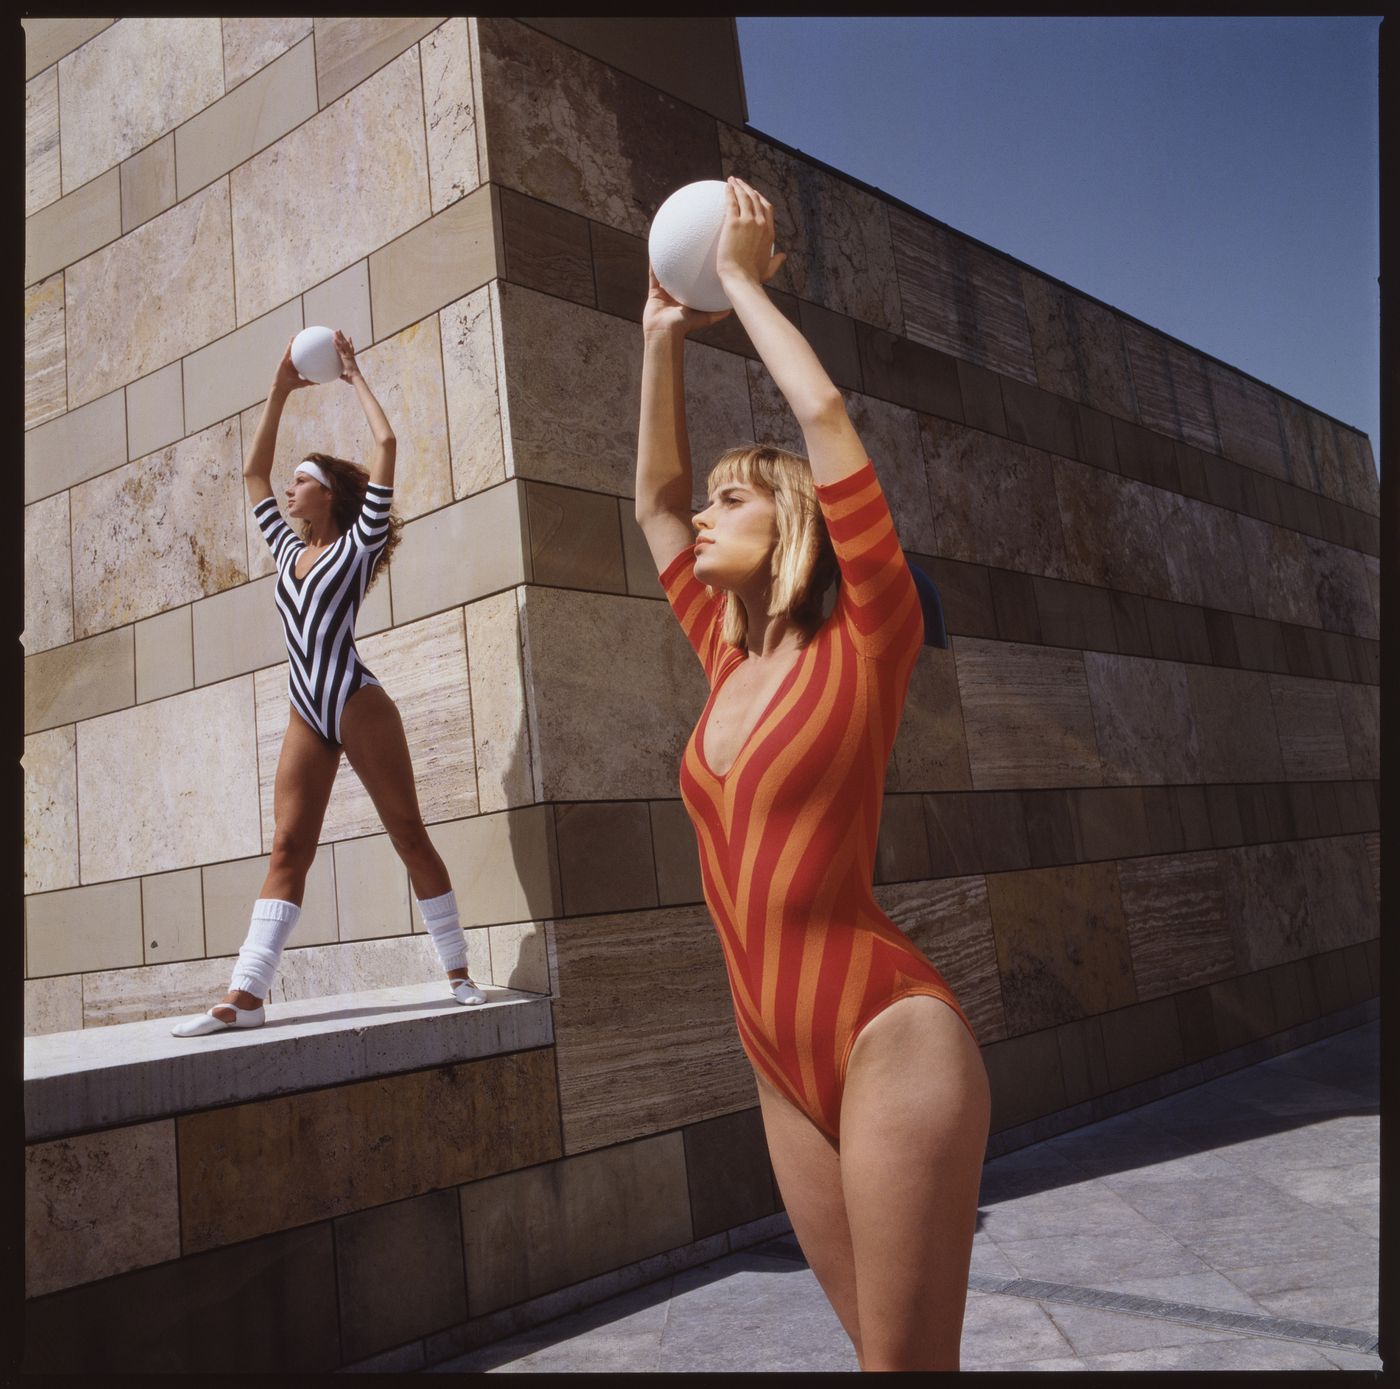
point(257, 467)
point(381, 468)
point(744, 260)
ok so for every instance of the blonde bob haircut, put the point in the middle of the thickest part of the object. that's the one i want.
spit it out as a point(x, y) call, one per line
point(803, 562)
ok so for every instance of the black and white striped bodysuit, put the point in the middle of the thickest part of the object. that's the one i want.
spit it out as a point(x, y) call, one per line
point(319, 611)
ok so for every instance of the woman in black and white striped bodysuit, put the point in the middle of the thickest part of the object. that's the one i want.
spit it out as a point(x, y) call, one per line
point(337, 704)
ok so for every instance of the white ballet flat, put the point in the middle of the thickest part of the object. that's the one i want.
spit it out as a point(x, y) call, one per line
point(464, 991)
point(207, 1023)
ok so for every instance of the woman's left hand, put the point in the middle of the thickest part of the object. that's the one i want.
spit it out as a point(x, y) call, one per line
point(745, 249)
point(348, 370)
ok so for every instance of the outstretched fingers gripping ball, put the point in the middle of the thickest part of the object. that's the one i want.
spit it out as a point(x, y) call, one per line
point(314, 355)
point(683, 240)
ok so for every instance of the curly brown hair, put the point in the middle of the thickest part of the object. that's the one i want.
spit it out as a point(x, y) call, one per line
point(349, 483)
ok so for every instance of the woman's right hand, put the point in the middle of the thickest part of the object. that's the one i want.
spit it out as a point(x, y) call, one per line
point(287, 377)
point(665, 315)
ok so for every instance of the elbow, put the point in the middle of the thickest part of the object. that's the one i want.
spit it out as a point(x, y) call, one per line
point(820, 409)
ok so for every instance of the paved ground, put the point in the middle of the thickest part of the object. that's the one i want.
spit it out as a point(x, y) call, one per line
point(1229, 1227)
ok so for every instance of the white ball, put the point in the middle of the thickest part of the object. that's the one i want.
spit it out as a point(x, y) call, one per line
point(684, 238)
point(314, 355)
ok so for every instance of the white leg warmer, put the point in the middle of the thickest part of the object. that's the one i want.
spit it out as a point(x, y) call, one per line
point(272, 923)
point(440, 919)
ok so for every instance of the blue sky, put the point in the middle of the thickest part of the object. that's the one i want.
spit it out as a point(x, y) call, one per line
point(1216, 178)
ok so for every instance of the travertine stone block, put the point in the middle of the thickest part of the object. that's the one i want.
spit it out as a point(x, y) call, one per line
point(75, 446)
point(164, 654)
point(890, 435)
point(160, 292)
point(50, 810)
point(236, 631)
point(581, 135)
point(1360, 707)
point(41, 173)
point(1341, 902)
point(1143, 720)
point(930, 749)
point(1169, 382)
point(323, 971)
point(155, 411)
point(449, 107)
point(348, 50)
point(356, 1146)
point(519, 956)
point(837, 236)
point(72, 227)
point(1234, 718)
point(1280, 569)
point(1078, 347)
point(71, 1189)
point(502, 866)
point(260, 111)
point(1178, 927)
point(48, 575)
point(251, 43)
point(79, 681)
point(1007, 516)
point(469, 351)
point(172, 916)
point(291, 217)
point(579, 1217)
point(1343, 592)
point(1204, 557)
point(1248, 418)
point(371, 889)
point(53, 1005)
point(196, 803)
point(434, 263)
point(675, 853)
point(158, 532)
point(575, 538)
point(728, 1172)
point(1111, 529)
point(342, 302)
point(148, 183)
point(642, 578)
point(959, 297)
point(1310, 732)
point(132, 83)
point(605, 856)
point(951, 922)
point(45, 352)
point(1028, 715)
point(231, 888)
point(232, 373)
point(1267, 904)
point(83, 928)
point(500, 723)
point(587, 651)
point(1373, 852)
point(47, 40)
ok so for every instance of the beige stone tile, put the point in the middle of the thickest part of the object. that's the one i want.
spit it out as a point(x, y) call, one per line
point(117, 996)
point(160, 292)
point(83, 928)
point(469, 351)
point(371, 889)
point(591, 651)
point(1234, 718)
point(1311, 736)
point(136, 554)
point(1112, 530)
point(231, 888)
point(76, 446)
point(79, 681)
point(48, 575)
point(172, 916)
point(676, 854)
point(148, 183)
point(72, 227)
point(276, 99)
point(53, 1005)
point(1028, 715)
point(250, 43)
point(471, 548)
point(295, 227)
point(48, 40)
point(71, 1187)
point(41, 174)
point(1204, 557)
point(773, 421)
point(930, 748)
point(1178, 926)
point(433, 264)
point(450, 110)
point(45, 352)
point(605, 856)
point(236, 631)
point(1361, 710)
point(350, 966)
point(1170, 386)
point(719, 411)
point(575, 539)
point(1143, 720)
point(500, 723)
point(232, 373)
point(502, 866)
point(348, 50)
point(578, 1217)
point(196, 803)
point(50, 810)
point(1280, 570)
point(155, 411)
point(132, 83)
point(164, 654)
point(1078, 347)
point(519, 958)
point(642, 579)
point(342, 302)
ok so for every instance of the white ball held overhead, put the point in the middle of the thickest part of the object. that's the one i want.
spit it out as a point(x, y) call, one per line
point(684, 238)
point(314, 355)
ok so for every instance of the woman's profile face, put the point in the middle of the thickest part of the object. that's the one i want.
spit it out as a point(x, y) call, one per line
point(306, 498)
point(735, 535)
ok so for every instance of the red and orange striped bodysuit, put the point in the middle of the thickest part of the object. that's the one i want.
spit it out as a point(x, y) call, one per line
point(787, 836)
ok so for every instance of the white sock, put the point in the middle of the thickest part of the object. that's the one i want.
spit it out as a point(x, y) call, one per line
point(440, 919)
point(272, 923)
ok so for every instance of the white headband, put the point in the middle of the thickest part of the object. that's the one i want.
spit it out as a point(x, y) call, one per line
point(313, 470)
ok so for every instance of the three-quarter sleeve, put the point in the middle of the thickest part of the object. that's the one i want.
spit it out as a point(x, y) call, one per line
point(878, 600)
point(371, 528)
point(700, 612)
point(280, 537)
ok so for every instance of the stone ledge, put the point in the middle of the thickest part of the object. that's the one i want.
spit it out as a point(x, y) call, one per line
point(101, 1077)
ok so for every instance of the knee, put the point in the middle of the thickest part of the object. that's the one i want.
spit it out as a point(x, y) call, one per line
point(410, 838)
point(292, 850)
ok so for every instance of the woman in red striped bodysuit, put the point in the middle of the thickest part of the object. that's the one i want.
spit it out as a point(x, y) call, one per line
point(872, 1088)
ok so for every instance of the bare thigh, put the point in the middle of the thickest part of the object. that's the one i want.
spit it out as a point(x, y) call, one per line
point(301, 790)
point(914, 1118)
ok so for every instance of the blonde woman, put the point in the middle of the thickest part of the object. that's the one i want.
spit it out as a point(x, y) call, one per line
point(873, 1093)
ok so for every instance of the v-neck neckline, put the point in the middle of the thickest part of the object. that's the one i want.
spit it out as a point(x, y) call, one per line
point(772, 704)
point(302, 578)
